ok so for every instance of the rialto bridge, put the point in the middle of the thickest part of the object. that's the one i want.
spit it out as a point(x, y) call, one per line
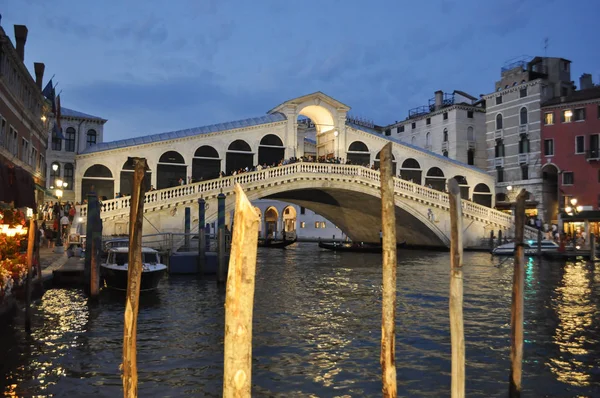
point(345, 194)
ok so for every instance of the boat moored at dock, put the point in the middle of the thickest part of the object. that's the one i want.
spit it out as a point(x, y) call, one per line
point(114, 271)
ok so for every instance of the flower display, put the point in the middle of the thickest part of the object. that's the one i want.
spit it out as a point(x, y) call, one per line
point(13, 264)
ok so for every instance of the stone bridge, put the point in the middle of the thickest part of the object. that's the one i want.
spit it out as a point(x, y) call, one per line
point(347, 195)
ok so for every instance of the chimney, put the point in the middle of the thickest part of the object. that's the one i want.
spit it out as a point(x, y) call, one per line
point(439, 98)
point(39, 68)
point(585, 81)
point(20, 39)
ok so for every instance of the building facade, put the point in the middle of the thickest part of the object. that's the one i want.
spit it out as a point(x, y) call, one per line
point(452, 125)
point(23, 133)
point(571, 150)
point(80, 131)
point(513, 127)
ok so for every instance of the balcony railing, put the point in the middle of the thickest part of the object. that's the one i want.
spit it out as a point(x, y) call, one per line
point(524, 129)
point(499, 162)
point(499, 134)
point(523, 158)
point(445, 145)
point(471, 145)
point(593, 154)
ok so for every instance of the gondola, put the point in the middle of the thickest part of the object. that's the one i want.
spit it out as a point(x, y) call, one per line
point(361, 247)
point(275, 243)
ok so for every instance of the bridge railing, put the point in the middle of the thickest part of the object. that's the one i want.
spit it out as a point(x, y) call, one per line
point(189, 191)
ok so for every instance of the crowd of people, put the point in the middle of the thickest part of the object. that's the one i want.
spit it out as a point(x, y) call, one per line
point(57, 219)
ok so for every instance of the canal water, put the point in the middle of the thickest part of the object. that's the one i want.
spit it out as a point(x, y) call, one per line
point(317, 331)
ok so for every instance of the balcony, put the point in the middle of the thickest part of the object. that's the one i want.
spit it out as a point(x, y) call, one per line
point(499, 162)
point(523, 158)
point(499, 134)
point(524, 129)
point(592, 154)
point(445, 146)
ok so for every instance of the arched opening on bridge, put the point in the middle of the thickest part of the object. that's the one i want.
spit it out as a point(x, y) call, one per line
point(270, 150)
point(206, 164)
point(464, 187)
point(271, 218)
point(482, 195)
point(377, 165)
point(101, 179)
point(411, 171)
point(322, 125)
point(307, 137)
point(435, 179)
point(127, 178)
point(239, 156)
point(171, 167)
point(358, 153)
point(550, 192)
point(289, 220)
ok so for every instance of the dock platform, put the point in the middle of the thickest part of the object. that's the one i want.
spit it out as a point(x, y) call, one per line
point(70, 273)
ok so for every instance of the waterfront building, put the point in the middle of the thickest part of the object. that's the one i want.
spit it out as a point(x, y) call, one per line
point(571, 149)
point(23, 132)
point(513, 127)
point(451, 124)
point(80, 131)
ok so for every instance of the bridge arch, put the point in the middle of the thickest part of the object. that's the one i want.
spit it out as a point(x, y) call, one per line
point(270, 150)
point(482, 195)
point(289, 219)
point(101, 178)
point(271, 220)
point(435, 179)
point(171, 167)
point(239, 156)
point(358, 153)
point(411, 171)
point(206, 163)
point(126, 180)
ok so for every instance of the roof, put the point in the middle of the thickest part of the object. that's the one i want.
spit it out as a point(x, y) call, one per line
point(213, 128)
point(66, 112)
point(316, 95)
point(466, 95)
point(576, 96)
point(425, 151)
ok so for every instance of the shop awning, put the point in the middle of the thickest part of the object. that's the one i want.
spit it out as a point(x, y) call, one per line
point(586, 215)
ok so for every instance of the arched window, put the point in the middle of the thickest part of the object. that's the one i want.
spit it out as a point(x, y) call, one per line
point(445, 135)
point(70, 140)
point(523, 116)
point(68, 175)
point(498, 121)
point(428, 139)
point(470, 134)
point(358, 146)
point(91, 138)
point(499, 149)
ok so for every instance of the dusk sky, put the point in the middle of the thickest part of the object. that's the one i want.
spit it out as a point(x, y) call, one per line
point(150, 68)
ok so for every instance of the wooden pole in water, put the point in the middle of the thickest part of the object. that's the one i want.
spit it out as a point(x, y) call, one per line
point(457, 332)
point(94, 269)
point(539, 243)
point(28, 282)
point(134, 277)
point(239, 299)
point(388, 317)
point(592, 247)
point(516, 315)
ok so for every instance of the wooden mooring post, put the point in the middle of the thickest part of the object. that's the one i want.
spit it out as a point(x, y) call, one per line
point(134, 278)
point(516, 314)
point(592, 247)
point(201, 236)
point(539, 243)
point(93, 244)
point(457, 332)
point(239, 299)
point(29, 280)
point(388, 316)
point(221, 245)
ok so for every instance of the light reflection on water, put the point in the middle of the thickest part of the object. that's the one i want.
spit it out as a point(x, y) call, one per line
point(317, 331)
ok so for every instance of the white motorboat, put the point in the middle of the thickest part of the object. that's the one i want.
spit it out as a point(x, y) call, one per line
point(114, 271)
point(530, 248)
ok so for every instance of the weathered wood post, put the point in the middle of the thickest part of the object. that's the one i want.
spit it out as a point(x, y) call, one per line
point(516, 315)
point(388, 317)
point(491, 240)
point(539, 243)
point(592, 247)
point(457, 332)
point(499, 237)
point(201, 236)
point(28, 281)
point(221, 247)
point(239, 299)
point(93, 244)
point(134, 278)
point(187, 227)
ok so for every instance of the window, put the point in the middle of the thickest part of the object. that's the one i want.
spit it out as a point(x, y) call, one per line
point(428, 140)
point(43, 165)
point(579, 114)
point(565, 65)
point(566, 116)
point(499, 100)
point(56, 142)
point(428, 121)
point(549, 147)
point(68, 175)
point(471, 157)
point(568, 178)
point(24, 150)
point(91, 137)
point(524, 144)
point(470, 114)
point(470, 134)
point(523, 92)
point(523, 116)
point(70, 140)
point(4, 133)
point(388, 132)
point(549, 118)
point(14, 143)
point(302, 224)
point(400, 129)
point(524, 172)
point(302, 210)
point(499, 174)
point(33, 157)
point(413, 125)
point(499, 122)
point(54, 174)
point(323, 225)
point(499, 149)
point(445, 135)
point(579, 144)
point(320, 224)
point(564, 91)
point(445, 115)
